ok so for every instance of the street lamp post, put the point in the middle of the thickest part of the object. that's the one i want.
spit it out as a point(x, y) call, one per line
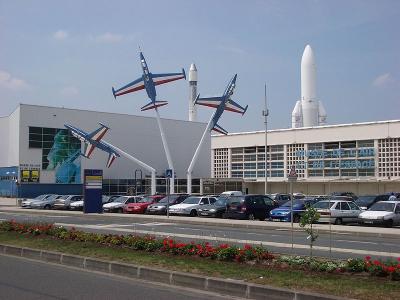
point(265, 114)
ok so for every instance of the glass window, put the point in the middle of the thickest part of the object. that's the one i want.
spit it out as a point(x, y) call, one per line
point(344, 206)
point(276, 148)
point(250, 150)
point(353, 206)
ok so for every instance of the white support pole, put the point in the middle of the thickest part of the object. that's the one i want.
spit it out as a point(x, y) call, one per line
point(140, 163)
point(196, 154)
point(167, 153)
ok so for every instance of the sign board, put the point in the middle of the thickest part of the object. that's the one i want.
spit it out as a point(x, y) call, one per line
point(29, 173)
point(168, 173)
point(292, 176)
point(93, 191)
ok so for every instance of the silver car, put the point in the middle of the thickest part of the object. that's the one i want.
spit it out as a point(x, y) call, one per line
point(64, 202)
point(26, 203)
point(46, 203)
point(337, 211)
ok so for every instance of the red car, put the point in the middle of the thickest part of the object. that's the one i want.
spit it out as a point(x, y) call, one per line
point(141, 206)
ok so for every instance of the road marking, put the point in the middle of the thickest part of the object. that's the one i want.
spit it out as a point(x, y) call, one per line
point(251, 242)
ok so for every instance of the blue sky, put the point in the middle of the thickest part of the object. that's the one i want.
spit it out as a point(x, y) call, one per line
point(70, 53)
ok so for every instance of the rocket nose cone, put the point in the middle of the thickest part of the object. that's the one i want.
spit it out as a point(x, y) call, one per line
point(192, 67)
point(308, 56)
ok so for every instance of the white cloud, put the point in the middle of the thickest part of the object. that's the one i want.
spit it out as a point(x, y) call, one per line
point(383, 80)
point(10, 82)
point(60, 35)
point(69, 91)
point(109, 38)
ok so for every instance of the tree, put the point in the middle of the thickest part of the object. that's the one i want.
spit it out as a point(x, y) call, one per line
point(308, 218)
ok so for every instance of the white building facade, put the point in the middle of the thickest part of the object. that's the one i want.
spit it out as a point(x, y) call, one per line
point(363, 158)
point(37, 148)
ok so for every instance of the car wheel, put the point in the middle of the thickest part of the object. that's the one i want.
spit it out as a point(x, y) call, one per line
point(193, 213)
point(47, 206)
point(389, 223)
point(296, 218)
point(120, 210)
point(251, 217)
point(338, 221)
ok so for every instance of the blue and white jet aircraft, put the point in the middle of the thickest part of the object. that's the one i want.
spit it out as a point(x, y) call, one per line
point(94, 140)
point(149, 81)
point(222, 103)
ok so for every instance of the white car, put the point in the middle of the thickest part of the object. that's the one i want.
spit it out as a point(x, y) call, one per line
point(337, 211)
point(383, 212)
point(26, 203)
point(118, 204)
point(189, 205)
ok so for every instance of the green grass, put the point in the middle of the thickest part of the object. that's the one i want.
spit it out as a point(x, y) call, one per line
point(353, 286)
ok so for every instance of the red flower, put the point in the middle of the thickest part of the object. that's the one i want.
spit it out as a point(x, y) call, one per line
point(376, 262)
point(398, 259)
point(368, 257)
point(391, 269)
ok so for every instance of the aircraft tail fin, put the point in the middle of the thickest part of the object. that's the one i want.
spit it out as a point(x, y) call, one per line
point(153, 105)
point(219, 129)
point(111, 158)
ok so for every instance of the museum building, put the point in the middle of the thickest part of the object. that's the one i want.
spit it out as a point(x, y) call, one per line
point(39, 155)
point(363, 158)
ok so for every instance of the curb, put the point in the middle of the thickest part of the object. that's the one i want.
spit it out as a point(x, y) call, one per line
point(229, 287)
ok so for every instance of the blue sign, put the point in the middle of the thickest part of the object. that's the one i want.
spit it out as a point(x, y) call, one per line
point(168, 173)
point(336, 153)
point(93, 190)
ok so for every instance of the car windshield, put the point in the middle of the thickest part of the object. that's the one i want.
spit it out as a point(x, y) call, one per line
point(295, 203)
point(273, 196)
point(323, 204)
point(121, 199)
point(145, 200)
point(365, 200)
point(382, 206)
point(41, 197)
point(221, 202)
point(52, 197)
point(192, 200)
point(64, 197)
point(172, 198)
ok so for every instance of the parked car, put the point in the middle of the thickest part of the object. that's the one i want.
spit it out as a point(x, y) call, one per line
point(280, 199)
point(141, 206)
point(46, 203)
point(231, 193)
point(346, 194)
point(118, 204)
point(283, 212)
point(78, 205)
point(338, 210)
point(365, 202)
point(160, 208)
point(384, 212)
point(216, 209)
point(189, 206)
point(249, 207)
point(63, 202)
point(26, 203)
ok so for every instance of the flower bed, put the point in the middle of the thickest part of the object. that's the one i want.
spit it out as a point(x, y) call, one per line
point(223, 252)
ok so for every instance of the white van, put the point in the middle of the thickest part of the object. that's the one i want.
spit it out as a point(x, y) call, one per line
point(231, 193)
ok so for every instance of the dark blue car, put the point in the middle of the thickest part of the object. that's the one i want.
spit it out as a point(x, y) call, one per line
point(282, 213)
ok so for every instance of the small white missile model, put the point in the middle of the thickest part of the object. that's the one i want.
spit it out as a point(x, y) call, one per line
point(192, 92)
point(308, 111)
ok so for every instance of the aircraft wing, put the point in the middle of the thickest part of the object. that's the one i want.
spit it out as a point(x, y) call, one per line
point(235, 107)
point(167, 77)
point(98, 134)
point(88, 150)
point(134, 86)
point(210, 101)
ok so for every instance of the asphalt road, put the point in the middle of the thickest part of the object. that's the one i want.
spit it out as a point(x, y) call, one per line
point(342, 245)
point(31, 280)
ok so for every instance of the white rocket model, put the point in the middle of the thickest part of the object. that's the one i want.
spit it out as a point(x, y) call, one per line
point(192, 92)
point(308, 111)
